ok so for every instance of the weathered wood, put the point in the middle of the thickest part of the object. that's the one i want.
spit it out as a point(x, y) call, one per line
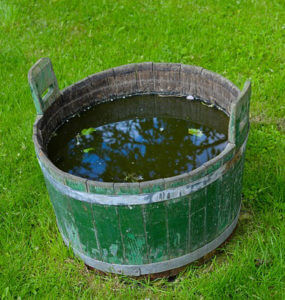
point(239, 118)
point(41, 78)
point(153, 226)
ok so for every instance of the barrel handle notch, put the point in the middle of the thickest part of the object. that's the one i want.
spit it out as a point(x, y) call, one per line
point(43, 84)
point(239, 117)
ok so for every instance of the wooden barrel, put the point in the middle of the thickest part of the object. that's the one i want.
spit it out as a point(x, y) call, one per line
point(153, 226)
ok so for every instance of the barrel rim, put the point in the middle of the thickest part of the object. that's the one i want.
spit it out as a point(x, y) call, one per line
point(144, 198)
point(136, 187)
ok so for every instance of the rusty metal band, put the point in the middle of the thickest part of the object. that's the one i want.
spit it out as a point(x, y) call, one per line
point(137, 270)
point(138, 199)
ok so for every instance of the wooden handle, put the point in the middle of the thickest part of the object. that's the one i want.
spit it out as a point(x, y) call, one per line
point(43, 84)
point(239, 118)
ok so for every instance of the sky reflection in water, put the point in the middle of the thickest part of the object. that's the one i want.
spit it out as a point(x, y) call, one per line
point(134, 149)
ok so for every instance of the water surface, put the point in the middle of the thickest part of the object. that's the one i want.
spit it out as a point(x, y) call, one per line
point(139, 138)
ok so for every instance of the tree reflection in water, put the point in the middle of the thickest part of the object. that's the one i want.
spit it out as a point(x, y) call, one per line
point(135, 148)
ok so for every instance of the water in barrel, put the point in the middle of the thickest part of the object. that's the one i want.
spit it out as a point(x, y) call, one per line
point(139, 138)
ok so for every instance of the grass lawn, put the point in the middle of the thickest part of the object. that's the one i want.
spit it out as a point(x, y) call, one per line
point(238, 39)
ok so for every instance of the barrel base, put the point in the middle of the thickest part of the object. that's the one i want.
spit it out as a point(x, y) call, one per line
point(172, 274)
point(168, 268)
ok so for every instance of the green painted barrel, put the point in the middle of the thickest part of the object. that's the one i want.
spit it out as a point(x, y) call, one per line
point(153, 226)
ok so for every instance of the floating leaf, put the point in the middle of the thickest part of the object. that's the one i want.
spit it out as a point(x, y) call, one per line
point(87, 131)
point(206, 104)
point(87, 150)
point(196, 132)
point(132, 177)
